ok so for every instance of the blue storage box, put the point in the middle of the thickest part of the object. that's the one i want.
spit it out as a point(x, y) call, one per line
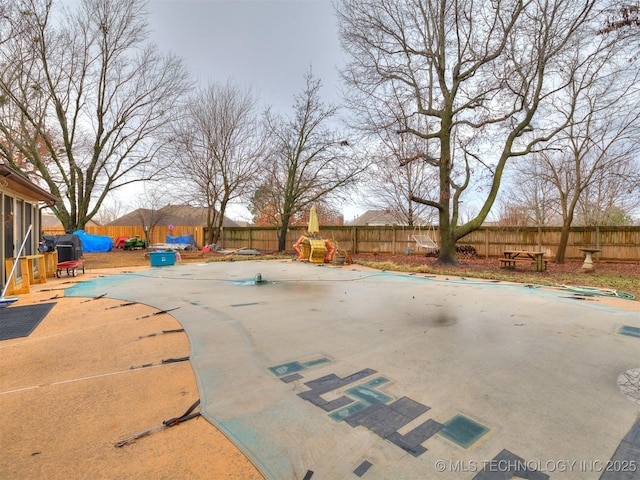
point(160, 259)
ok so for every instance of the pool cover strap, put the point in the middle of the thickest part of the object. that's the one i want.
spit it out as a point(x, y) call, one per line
point(172, 422)
point(157, 313)
point(188, 415)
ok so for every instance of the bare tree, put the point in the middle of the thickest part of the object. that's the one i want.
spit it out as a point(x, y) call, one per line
point(154, 211)
point(85, 100)
point(11, 21)
point(308, 161)
point(602, 111)
point(580, 168)
point(220, 148)
point(612, 196)
point(529, 200)
point(513, 214)
point(470, 78)
point(588, 172)
point(621, 15)
point(395, 178)
point(110, 210)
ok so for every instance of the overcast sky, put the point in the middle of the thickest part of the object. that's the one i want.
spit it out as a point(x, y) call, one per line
point(265, 44)
point(268, 45)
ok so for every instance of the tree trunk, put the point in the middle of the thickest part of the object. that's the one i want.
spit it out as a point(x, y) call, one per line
point(562, 246)
point(219, 220)
point(209, 236)
point(211, 229)
point(282, 235)
point(72, 224)
point(447, 225)
point(68, 227)
point(447, 252)
point(214, 224)
point(215, 233)
point(568, 211)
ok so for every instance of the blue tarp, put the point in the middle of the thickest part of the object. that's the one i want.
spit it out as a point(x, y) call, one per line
point(94, 243)
point(184, 239)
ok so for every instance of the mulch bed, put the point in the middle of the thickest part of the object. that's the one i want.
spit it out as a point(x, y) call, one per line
point(621, 277)
point(482, 264)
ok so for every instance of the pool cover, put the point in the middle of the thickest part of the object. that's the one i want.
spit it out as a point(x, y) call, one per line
point(328, 373)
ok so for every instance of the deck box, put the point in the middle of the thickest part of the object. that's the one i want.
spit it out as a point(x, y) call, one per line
point(160, 259)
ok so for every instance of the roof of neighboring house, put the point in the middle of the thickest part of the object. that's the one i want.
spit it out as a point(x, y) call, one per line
point(242, 223)
point(48, 220)
point(22, 185)
point(183, 215)
point(376, 218)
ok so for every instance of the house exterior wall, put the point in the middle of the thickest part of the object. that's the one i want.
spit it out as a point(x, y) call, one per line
point(18, 213)
point(19, 207)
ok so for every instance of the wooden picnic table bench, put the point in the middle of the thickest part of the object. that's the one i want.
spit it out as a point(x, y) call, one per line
point(513, 257)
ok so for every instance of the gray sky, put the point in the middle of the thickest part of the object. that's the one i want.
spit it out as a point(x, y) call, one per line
point(265, 44)
point(268, 45)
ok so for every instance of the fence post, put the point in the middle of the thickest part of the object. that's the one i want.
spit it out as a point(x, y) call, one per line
point(393, 239)
point(486, 243)
point(354, 239)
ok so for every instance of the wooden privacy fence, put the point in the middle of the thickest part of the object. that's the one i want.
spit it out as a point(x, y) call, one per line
point(158, 235)
point(616, 243)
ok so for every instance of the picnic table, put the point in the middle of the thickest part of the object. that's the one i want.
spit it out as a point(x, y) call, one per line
point(513, 257)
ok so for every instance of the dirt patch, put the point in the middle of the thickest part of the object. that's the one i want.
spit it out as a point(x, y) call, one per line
point(119, 258)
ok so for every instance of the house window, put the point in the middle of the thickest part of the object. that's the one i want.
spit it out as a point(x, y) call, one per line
point(7, 220)
point(20, 230)
point(28, 220)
